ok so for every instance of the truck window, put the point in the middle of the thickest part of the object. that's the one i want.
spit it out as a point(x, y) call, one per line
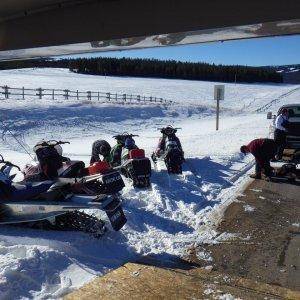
point(294, 111)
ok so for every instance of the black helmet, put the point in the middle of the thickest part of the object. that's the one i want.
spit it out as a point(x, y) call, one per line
point(129, 143)
point(104, 149)
point(169, 130)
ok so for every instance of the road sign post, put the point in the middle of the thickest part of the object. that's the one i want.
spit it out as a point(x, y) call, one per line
point(219, 93)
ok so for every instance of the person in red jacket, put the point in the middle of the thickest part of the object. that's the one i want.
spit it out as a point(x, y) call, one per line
point(263, 150)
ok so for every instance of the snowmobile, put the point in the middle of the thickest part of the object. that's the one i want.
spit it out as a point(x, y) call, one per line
point(47, 204)
point(133, 163)
point(288, 168)
point(169, 150)
point(55, 202)
point(99, 179)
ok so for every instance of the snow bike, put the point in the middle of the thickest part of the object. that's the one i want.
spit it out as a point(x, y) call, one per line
point(133, 163)
point(169, 150)
point(46, 204)
point(98, 179)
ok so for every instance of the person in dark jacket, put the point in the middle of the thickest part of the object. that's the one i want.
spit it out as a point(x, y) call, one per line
point(263, 150)
point(281, 125)
point(100, 147)
point(116, 153)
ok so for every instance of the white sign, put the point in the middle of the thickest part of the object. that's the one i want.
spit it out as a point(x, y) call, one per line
point(219, 93)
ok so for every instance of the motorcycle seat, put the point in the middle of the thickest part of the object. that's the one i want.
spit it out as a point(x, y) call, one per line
point(20, 191)
point(136, 153)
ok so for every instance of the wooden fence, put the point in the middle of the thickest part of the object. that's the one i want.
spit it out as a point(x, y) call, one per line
point(56, 94)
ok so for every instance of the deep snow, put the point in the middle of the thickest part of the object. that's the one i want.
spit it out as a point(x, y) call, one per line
point(164, 221)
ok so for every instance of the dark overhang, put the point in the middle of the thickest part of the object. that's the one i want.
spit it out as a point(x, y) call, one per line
point(35, 28)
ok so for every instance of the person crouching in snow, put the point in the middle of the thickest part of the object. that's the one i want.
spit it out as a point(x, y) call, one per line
point(263, 150)
point(100, 147)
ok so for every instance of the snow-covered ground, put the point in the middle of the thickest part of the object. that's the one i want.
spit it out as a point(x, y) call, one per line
point(163, 221)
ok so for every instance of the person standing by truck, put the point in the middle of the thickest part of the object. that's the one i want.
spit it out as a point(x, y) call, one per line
point(281, 125)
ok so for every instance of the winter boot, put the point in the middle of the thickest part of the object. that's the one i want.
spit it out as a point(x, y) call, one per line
point(266, 177)
point(255, 176)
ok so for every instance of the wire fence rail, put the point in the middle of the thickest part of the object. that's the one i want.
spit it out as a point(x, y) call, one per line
point(66, 94)
point(268, 105)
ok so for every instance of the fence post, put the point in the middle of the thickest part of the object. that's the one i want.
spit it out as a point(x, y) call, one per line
point(6, 93)
point(40, 94)
point(116, 97)
point(124, 97)
point(108, 96)
point(150, 98)
point(89, 95)
point(53, 94)
point(145, 99)
point(98, 96)
point(138, 98)
point(77, 95)
point(23, 93)
point(66, 95)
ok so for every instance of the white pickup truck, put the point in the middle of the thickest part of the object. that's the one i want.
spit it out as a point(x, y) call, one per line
point(293, 135)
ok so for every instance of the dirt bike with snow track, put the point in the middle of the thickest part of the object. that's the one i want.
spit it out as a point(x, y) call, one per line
point(169, 151)
point(58, 199)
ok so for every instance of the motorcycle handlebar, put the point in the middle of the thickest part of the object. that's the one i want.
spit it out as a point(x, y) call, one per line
point(52, 143)
point(8, 163)
point(62, 142)
point(118, 136)
point(175, 128)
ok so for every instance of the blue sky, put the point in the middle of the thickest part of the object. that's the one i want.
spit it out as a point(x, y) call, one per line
point(252, 52)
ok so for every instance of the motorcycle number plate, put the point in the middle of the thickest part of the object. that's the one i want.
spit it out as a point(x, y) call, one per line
point(114, 217)
point(109, 179)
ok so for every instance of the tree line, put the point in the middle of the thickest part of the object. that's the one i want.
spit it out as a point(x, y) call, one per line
point(154, 68)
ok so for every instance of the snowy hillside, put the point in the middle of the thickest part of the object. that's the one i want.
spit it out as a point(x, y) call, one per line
point(164, 221)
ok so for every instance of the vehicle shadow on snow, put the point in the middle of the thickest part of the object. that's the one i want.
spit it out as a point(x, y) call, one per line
point(181, 197)
point(139, 219)
point(42, 255)
point(200, 183)
point(209, 170)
